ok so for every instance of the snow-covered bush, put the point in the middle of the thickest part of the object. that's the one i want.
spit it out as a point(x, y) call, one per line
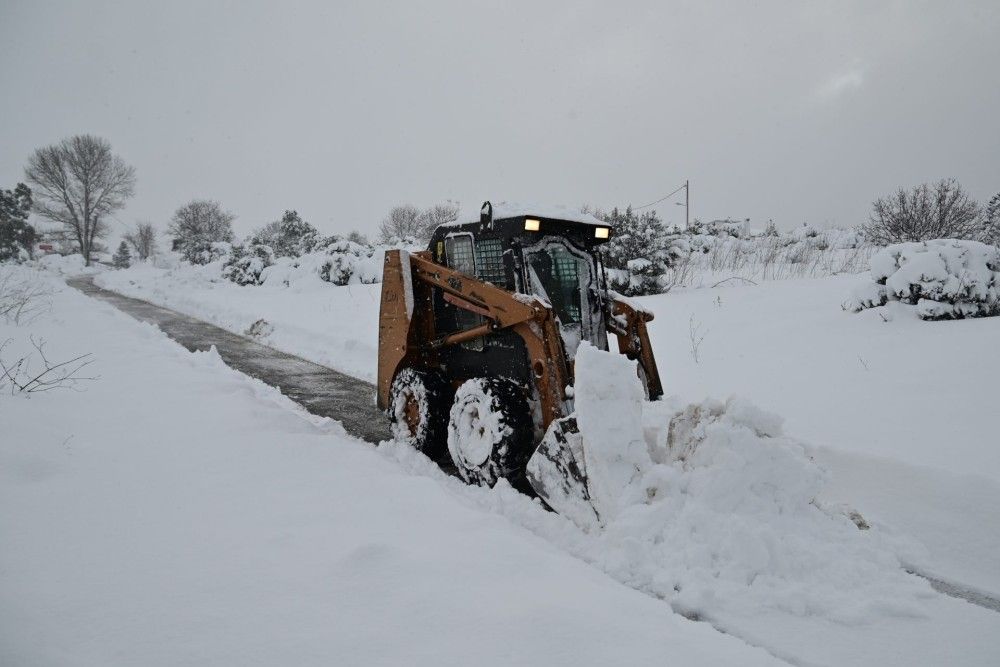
point(334, 260)
point(205, 252)
point(943, 278)
point(345, 260)
point(246, 263)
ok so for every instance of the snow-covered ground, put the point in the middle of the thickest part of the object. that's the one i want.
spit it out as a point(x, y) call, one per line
point(929, 488)
point(898, 408)
point(175, 512)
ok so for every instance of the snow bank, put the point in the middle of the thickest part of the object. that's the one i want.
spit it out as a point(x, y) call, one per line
point(943, 278)
point(712, 507)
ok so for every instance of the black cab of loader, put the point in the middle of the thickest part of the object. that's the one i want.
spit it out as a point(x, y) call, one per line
point(552, 259)
point(478, 333)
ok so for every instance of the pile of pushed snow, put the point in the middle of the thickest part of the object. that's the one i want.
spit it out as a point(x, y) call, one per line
point(711, 507)
point(943, 278)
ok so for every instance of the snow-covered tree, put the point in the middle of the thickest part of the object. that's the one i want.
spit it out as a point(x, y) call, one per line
point(991, 221)
point(16, 235)
point(122, 259)
point(638, 252)
point(291, 236)
point(198, 225)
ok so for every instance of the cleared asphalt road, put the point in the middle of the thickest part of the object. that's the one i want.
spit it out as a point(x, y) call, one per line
point(322, 391)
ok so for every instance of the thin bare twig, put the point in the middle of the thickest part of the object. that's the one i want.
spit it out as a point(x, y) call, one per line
point(25, 380)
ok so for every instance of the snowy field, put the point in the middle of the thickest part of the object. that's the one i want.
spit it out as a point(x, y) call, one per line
point(176, 512)
point(897, 408)
point(202, 518)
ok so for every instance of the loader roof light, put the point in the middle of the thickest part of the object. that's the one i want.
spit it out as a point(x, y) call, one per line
point(602, 232)
point(532, 225)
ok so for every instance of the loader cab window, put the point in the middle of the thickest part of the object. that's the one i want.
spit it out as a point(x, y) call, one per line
point(566, 276)
point(558, 273)
point(459, 251)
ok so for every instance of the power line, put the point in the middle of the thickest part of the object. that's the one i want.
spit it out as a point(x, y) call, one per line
point(639, 208)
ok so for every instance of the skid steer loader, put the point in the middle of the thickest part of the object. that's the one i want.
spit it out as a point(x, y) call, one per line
point(477, 337)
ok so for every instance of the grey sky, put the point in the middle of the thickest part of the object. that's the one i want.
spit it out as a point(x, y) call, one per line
point(796, 111)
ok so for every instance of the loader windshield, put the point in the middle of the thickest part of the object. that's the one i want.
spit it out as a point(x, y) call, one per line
point(564, 275)
point(558, 274)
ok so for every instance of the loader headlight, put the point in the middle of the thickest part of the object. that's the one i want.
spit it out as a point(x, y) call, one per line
point(602, 232)
point(531, 225)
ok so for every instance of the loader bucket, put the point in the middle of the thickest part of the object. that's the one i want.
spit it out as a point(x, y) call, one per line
point(557, 471)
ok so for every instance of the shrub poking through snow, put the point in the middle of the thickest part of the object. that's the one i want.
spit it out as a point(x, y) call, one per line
point(246, 263)
point(943, 278)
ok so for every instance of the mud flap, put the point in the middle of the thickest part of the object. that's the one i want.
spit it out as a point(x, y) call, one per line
point(557, 471)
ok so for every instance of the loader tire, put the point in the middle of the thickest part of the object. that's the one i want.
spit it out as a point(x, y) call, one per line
point(418, 410)
point(489, 431)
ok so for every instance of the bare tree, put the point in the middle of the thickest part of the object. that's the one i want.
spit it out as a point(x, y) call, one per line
point(403, 222)
point(197, 225)
point(439, 214)
point(409, 222)
point(357, 237)
point(142, 238)
point(938, 211)
point(78, 183)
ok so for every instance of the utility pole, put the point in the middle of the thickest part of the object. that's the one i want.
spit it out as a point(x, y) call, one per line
point(687, 204)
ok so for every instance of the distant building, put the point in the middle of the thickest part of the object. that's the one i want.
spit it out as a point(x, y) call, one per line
point(54, 240)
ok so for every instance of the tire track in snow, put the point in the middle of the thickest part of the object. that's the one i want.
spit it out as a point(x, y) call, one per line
point(329, 393)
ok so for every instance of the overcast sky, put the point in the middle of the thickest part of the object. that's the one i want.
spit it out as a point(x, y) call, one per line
point(792, 111)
